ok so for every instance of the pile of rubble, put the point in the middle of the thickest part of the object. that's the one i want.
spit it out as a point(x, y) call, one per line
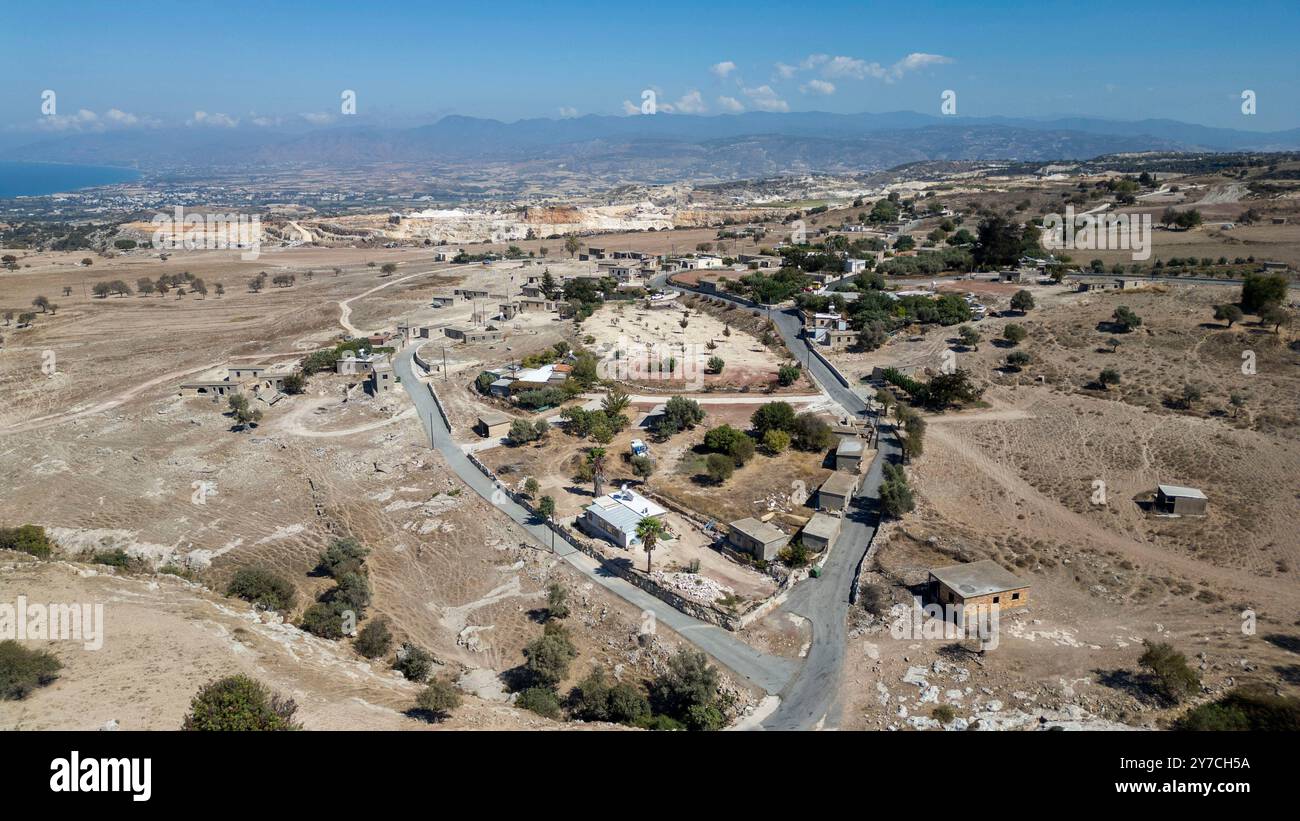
point(692, 586)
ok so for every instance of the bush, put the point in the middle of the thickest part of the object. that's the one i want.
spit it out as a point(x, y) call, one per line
point(374, 639)
point(239, 703)
point(773, 416)
point(557, 602)
point(327, 619)
point(23, 670)
point(1172, 678)
point(742, 450)
point(414, 662)
point(437, 701)
point(719, 467)
point(261, 587)
point(549, 656)
point(721, 438)
point(776, 441)
point(540, 700)
point(795, 554)
point(688, 691)
point(522, 432)
point(1261, 290)
point(344, 555)
point(1015, 334)
point(1252, 708)
point(810, 433)
point(787, 375)
point(29, 539)
point(113, 558)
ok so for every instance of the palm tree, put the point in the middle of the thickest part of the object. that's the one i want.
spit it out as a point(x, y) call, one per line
point(615, 402)
point(648, 530)
point(596, 458)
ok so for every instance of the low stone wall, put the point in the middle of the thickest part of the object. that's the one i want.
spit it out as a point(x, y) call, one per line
point(446, 420)
point(839, 377)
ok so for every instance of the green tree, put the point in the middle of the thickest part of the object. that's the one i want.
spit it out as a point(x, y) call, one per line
point(1017, 360)
point(540, 700)
point(1258, 291)
point(239, 703)
point(1126, 319)
point(548, 657)
point(649, 531)
point(776, 441)
point(811, 433)
point(1172, 678)
point(1228, 313)
point(773, 416)
point(969, 337)
point(1022, 301)
point(716, 364)
point(1275, 315)
point(787, 375)
point(1015, 334)
point(719, 467)
point(413, 662)
point(688, 691)
point(245, 417)
point(596, 459)
point(557, 601)
point(1108, 377)
point(436, 701)
point(30, 539)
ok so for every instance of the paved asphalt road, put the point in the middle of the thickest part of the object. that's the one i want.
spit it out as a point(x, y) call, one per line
point(810, 700)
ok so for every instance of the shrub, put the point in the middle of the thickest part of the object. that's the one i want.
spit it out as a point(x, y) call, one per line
point(240, 703)
point(374, 639)
point(776, 441)
point(1251, 708)
point(787, 375)
point(721, 438)
point(327, 619)
point(414, 662)
point(22, 670)
point(795, 554)
point(719, 467)
point(113, 558)
point(773, 416)
point(344, 555)
point(688, 691)
point(1015, 334)
point(261, 587)
point(742, 450)
point(548, 657)
point(557, 602)
point(540, 700)
point(811, 433)
point(1172, 678)
point(26, 539)
point(437, 701)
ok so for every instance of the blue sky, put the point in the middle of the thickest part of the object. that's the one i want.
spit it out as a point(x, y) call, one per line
point(114, 66)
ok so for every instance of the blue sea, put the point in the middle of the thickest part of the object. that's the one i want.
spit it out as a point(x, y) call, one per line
point(32, 179)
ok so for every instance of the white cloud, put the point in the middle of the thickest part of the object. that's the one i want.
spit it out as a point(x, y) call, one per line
point(731, 104)
point(765, 99)
point(318, 117)
point(630, 108)
point(721, 70)
point(87, 120)
point(216, 120)
point(120, 117)
point(691, 103)
point(853, 68)
point(567, 111)
point(824, 87)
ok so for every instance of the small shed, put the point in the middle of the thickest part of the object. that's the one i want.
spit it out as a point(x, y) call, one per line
point(1180, 501)
point(493, 425)
point(848, 454)
point(837, 490)
point(820, 532)
point(759, 539)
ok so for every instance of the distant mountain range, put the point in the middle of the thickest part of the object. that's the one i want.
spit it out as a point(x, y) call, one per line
point(659, 148)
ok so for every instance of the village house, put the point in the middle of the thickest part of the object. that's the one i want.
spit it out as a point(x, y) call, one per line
point(1180, 501)
point(351, 364)
point(472, 335)
point(537, 305)
point(820, 531)
point(984, 584)
point(381, 379)
point(759, 539)
point(712, 284)
point(760, 261)
point(615, 516)
point(699, 263)
point(836, 491)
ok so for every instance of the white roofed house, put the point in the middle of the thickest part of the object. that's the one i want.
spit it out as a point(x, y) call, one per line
point(615, 516)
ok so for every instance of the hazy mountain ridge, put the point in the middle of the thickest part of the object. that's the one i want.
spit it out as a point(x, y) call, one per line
point(661, 147)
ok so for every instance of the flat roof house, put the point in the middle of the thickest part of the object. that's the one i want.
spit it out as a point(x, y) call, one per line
point(759, 539)
point(471, 335)
point(493, 425)
point(984, 583)
point(238, 373)
point(837, 490)
point(614, 517)
point(848, 454)
point(820, 532)
point(1180, 501)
